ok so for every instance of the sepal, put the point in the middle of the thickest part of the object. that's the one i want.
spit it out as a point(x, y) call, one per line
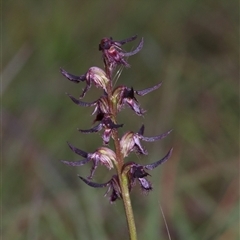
point(94, 75)
point(138, 172)
point(113, 185)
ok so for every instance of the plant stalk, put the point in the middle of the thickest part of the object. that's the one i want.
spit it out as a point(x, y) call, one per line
point(123, 180)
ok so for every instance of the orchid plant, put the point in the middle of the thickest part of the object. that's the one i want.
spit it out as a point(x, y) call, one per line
point(106, 110)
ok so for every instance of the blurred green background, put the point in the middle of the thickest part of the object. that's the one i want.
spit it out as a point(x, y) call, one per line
point(192, 46)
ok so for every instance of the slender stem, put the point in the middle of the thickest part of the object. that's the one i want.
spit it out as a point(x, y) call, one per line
point(123, 180)
point(125, 191)
point(128, 207)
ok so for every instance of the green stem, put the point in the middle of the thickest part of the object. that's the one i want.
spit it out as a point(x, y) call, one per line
point(123, 180)
point(128, 207)
point(125, 191)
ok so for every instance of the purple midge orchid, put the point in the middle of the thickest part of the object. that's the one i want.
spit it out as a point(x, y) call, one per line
point(113, 56)
point(112, 101)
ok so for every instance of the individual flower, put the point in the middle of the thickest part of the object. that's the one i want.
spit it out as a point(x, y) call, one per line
point(125, 96)
point(102, 115)
point(136, 171)
point(130, 141)
point(107, 124)
point(103, 155)
point(113, 54)
point(113, 185)
point(94, 75)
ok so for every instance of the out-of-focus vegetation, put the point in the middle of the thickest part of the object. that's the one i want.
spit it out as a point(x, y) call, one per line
point(192, 46)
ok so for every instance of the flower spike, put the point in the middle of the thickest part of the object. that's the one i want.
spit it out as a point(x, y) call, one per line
point(106, 109)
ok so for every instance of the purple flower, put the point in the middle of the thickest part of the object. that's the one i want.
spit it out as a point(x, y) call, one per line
point(113, 54)
point(125, 96)
point(107, 124)
point(94, 75)
point(103, 155)
point(136, 171)
point(101, 105)
point(130, 141)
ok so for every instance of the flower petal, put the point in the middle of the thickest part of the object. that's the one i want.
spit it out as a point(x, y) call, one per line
point(85, 90)
point(97, 128)
point(134, 106)
point(72, 77)
point(121, 42)
point(78, 151)
point(80, 103)
point(77, 163)
point(141, 130)
point(139, 47)
point(138, 145)
point(148, 90)
point(152, 139)
point(145, 184)
point(138, 171)
point(93, 184)
point(161, 161)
